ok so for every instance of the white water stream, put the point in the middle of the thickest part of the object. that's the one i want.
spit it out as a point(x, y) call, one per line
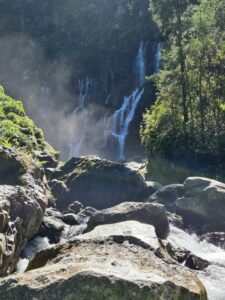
point(212, 277)
point(122, 119)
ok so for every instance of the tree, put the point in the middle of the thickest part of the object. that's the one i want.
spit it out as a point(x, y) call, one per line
point(169, 17)
point(187, 122)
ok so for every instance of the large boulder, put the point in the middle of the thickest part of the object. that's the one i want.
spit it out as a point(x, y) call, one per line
point(97, 183)
point(102, 269)
point(148, 213)
point(167, 195)
point(203, 203)
point(23, 213)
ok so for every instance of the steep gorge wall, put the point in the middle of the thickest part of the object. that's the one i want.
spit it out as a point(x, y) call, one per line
point(50, 48)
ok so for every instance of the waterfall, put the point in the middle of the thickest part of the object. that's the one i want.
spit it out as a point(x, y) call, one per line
point(80, 114)
point(140, 68)
point(84, 86)
point(122, 118)
point(117, 125)
point(213, 277)
point(157, 59)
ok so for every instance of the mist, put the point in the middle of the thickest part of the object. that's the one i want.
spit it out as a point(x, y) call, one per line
point(44, 86)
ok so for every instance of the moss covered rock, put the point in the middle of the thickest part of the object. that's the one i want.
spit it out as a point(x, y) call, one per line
point(16, 128)
point(19, 132)
point(97, 183)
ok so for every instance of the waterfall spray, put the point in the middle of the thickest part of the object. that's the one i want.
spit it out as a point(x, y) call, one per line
point(80, 113)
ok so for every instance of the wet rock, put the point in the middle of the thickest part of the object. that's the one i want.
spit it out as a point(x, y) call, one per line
point(97, 183)
point(182, 255)
point(51, 228)
point(203, 203)
point(148, 213)
point(195, 263)
point(70, 219)
point(178, 254)
point(175, 220)
point(215, 238)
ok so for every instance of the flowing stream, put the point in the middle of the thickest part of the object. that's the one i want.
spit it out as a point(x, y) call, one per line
point(212, 277)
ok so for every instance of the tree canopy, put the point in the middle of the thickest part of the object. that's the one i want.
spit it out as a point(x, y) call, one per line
point(187, 122)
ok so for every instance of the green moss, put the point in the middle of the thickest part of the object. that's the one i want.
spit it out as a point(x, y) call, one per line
point(16, 129)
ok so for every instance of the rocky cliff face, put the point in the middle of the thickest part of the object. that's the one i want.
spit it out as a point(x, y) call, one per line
point(73, 51)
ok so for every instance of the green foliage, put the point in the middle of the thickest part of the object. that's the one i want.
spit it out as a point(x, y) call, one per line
point(168, 172)
point(187, 122)
point(16, 129)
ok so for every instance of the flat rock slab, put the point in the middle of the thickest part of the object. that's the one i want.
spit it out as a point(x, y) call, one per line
point(104, 270)
point(143, 233)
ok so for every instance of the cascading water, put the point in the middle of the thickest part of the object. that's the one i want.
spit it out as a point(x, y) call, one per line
point(117, 125)
point(80, 114)
point(122, 117)
point(213, 277)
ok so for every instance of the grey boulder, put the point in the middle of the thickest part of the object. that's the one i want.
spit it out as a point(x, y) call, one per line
point(97, 183)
